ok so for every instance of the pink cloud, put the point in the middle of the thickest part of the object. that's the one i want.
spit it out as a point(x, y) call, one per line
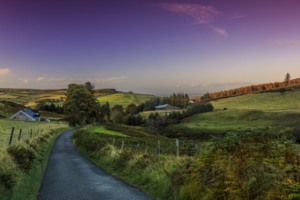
point(218, 30)
point(200, 14)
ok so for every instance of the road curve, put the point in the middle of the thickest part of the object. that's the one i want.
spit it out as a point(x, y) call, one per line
point(70, 175)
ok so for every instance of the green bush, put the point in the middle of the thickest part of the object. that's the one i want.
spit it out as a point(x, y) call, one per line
point(9, 171)
point(244, 164)
point(22, 155)
point(89, 142)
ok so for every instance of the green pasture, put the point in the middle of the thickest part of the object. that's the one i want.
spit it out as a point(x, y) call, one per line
point(289, 101)
point(123, 99)
point(143, 97)
point(6, 126)
point(8, 96)
point(101, 129)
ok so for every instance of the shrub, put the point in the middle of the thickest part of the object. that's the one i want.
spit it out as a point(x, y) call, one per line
point(296, 132)
point(89, 142)
point(22, 155)
point(118, 118)
point(9, 171)
point(282, 90)
point(244, 165)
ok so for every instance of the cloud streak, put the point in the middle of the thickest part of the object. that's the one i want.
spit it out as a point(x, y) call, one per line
point(24, 80)
point(5, 71)
point(218, 30)
point(200, 14)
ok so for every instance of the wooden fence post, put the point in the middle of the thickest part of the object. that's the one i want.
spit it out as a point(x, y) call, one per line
point(196, 152)
point(158, 147)
point(30, 133)
point(113, 142)
point(146, 150)
point(20, 135)
point(11, 135)
point(177, 147)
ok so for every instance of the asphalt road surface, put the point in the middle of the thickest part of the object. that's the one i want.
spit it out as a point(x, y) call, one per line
point(70, 175)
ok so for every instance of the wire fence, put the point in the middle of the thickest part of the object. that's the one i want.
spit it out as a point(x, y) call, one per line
point(20, 135)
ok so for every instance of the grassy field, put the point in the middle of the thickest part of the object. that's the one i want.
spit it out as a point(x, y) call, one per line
point(288, 101)
point(101, 129)
point(254, 111)
point(123, 99)
point(7, 124)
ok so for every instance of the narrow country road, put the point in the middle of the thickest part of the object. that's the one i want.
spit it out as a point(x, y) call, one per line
point(69, 175)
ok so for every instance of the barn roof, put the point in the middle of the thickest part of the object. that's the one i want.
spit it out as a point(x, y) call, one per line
point(166, 106)
point(32, 113)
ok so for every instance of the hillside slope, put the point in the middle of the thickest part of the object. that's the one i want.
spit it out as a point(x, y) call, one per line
point(288, 101)
point(124, 99)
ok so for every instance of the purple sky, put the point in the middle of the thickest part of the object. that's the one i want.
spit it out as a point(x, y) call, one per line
point(148, 46)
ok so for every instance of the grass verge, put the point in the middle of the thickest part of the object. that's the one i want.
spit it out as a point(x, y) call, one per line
point(28, 183)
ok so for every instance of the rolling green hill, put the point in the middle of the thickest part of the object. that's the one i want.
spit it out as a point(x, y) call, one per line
point(253, 111)
point(289, 101)
point(124, 99)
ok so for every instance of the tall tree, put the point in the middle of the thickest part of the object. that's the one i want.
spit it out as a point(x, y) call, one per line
point(287, 79)
point(79, 99)
point(90, 87)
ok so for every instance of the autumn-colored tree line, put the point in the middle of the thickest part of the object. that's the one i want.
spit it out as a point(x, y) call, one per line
point(248, 89)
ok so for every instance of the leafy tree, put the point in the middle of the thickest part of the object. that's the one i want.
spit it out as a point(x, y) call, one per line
point(80, 100)
point(90, 87)
point(117, 108)
point(130, 109)
point(287, 79)
point(105, 110)
point(118, 118)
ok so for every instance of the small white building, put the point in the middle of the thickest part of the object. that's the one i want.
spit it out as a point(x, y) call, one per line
point(27, 115)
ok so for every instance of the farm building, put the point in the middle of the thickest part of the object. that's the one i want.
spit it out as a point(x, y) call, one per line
point(27, 115)
point(166, 107)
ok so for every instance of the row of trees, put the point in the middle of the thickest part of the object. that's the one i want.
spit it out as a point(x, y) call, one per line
point(157, 121)
point(50, 108)
point(251, 89)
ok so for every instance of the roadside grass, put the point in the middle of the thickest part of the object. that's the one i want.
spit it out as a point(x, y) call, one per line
point(123, 99)
point(28, 183)
point(274, 101)
point(268, 160)
point(145, 171)
point(26, 126)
